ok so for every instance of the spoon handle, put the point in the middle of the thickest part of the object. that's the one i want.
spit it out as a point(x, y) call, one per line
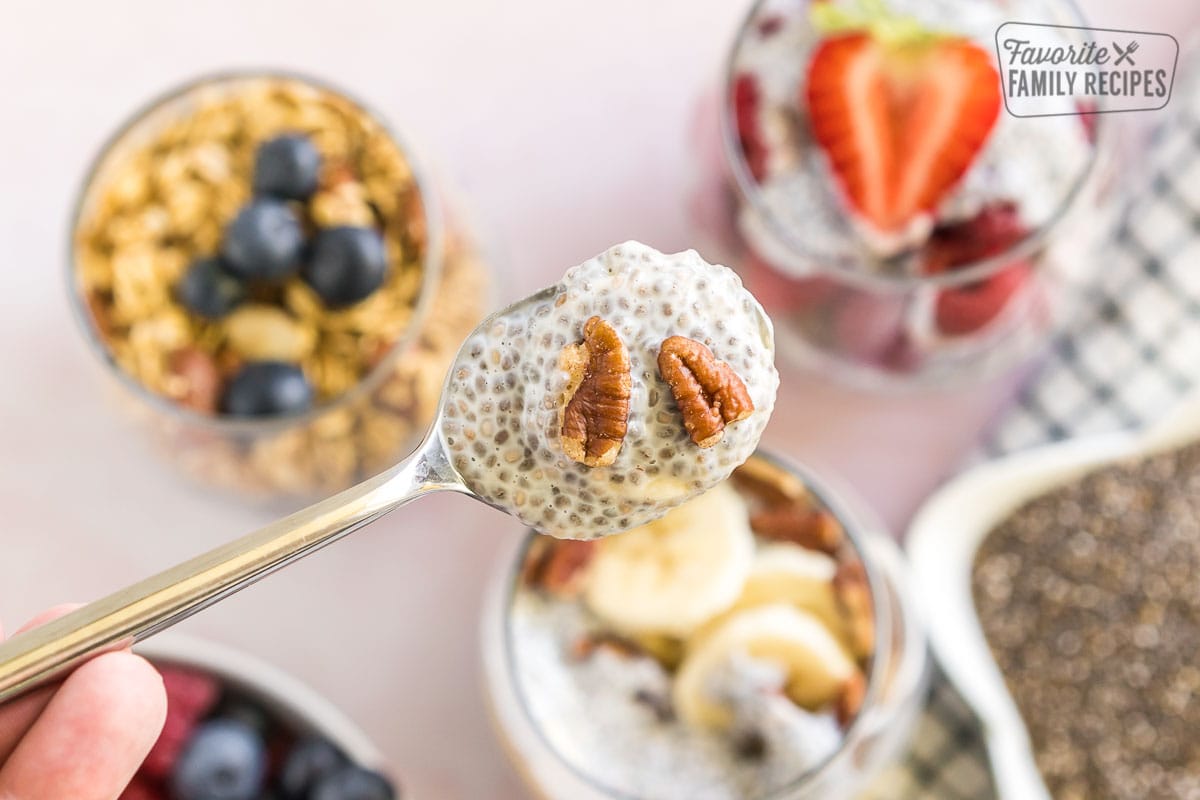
point(158, 602)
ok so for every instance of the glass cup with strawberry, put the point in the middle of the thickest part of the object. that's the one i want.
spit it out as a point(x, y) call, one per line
point(875, 193)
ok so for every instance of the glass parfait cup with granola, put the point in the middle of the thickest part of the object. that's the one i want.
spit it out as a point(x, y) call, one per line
point(870, 186)
point(757, 642)
point(276, 284)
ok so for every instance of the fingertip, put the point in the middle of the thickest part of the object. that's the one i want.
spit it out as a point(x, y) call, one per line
point(130, 688)
point(97, 728)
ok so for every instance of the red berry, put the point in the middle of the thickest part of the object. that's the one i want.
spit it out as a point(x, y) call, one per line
point(966, 309)
point(190, 695)
point(142, 788)
point(746, 100)
point(996, 228)
point(175, 734)
point(769, 26)
point(903, 355)
point(1087, 110)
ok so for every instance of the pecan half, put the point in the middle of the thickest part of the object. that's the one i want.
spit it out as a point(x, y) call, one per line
point(595, 411)
point(708, 392)
point(854, 599)
point(585, 646)
point(194, 379)
point(557, 566)
point(772, 485)
point(815, 529)
point(850, 699)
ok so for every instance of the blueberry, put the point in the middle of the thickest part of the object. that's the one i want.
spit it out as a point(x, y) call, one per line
point(267, 388)
point(235, 706)
point(224, 760)
point(346, 265)
point(287, 167)
point(353, 783)
point(309, 761)
point(264, 241)
point(209, 290)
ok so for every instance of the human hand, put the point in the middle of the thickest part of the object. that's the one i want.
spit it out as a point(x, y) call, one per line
point(85, 737)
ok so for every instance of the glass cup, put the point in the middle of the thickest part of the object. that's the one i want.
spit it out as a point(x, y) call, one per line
point(553, 763)
point(378, 366)
point(958, 295)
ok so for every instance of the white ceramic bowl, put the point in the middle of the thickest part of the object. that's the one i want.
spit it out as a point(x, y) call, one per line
point(293, 703)
point(942, 542)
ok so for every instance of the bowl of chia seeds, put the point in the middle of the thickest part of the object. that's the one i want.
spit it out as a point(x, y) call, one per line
point(1060, 594)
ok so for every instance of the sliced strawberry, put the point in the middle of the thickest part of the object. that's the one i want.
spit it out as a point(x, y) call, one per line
point(996, 228)
point(966, 309)
point(900, 122)
point(747, 98)
point(190, 695)
point(847, 101)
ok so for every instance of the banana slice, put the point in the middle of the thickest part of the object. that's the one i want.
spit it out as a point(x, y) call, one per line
point(789, 573)
point(783, 572)
point(814, 662)
point(670, 576)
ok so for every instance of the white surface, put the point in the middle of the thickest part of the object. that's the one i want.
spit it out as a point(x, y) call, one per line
point(943, 539)
point(565, 123)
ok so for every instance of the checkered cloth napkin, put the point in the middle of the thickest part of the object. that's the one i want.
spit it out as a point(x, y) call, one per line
point(1131, 351)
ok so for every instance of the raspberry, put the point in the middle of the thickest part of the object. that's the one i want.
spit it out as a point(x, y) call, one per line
point(190, 695)
point(993, 230)
point(142, 788)
point(769, 26)
point(1087, 118)
point(966, 309)
point(746, 99)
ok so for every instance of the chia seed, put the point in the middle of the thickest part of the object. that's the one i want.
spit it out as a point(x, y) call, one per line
point(1089, 600)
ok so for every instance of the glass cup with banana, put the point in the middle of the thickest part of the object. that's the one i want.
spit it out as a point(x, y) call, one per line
point(755, 642)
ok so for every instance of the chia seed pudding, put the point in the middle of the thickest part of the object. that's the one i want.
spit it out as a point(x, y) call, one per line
point(716, 653)
point(1088, 599)
point(890, 212)
point(510, 384)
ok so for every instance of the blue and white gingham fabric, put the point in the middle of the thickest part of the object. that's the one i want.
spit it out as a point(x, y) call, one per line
point(1130, 352)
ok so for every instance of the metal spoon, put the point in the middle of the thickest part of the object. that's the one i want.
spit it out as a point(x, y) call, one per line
point(156, 603)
